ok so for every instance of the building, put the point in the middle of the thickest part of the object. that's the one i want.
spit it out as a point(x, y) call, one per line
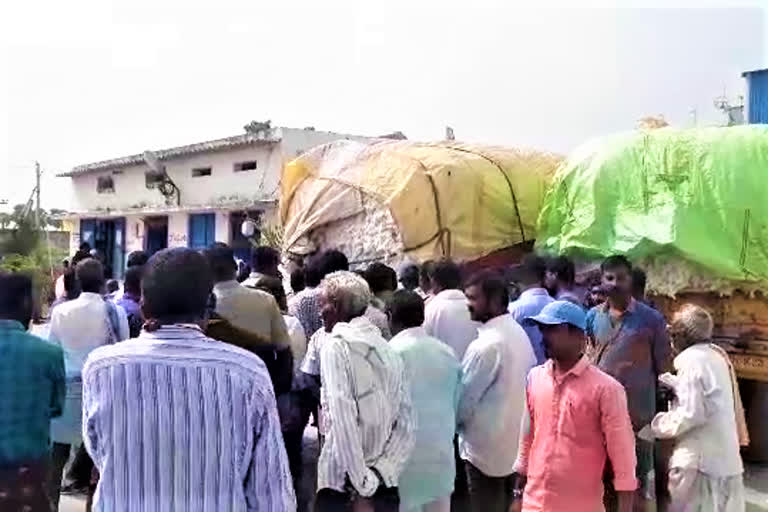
point(757, 95)
point(186, 196)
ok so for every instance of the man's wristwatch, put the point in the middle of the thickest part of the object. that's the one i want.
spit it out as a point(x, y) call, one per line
point(517, 494)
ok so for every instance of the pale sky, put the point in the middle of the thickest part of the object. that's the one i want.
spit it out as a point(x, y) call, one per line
point(86, 80)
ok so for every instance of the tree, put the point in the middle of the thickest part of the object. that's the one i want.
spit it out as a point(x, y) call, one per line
point(652, 122)
point(257, 126)
point(24, 213)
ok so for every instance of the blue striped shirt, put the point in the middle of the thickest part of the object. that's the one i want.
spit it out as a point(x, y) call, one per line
point(177, 421)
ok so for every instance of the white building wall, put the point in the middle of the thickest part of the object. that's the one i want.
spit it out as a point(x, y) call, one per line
point(224, 186)
point(297, 141)
point(178, 229)
point(73, 226)
point(223, 191)
point(222, 233)
point(134, 233)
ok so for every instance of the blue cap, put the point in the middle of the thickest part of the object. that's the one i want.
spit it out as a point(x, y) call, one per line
point(562, 312)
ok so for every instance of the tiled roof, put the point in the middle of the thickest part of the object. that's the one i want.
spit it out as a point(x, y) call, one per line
point(247, 139)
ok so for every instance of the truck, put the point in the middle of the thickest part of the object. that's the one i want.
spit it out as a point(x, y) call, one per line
point(688, 206)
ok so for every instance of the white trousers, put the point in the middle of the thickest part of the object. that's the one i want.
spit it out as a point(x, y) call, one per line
point(439, 505)
point(693, 491)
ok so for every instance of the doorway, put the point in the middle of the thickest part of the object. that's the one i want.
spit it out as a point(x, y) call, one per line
point(108, 237)
point(242, 247)
point(156, 234)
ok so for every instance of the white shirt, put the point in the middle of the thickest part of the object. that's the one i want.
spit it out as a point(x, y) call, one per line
point(446, 317)
point(702, 417)
point(495, 369)
point(298, 340)
point(367, 406)
point(311, 362)
point(81, 325)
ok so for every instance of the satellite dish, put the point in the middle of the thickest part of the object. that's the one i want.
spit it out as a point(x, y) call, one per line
point(152, 162)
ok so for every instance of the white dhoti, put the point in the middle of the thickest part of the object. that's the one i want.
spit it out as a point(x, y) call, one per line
point(694, 491)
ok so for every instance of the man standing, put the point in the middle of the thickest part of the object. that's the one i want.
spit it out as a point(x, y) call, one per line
point(705, 470)
point(630, 343)
point(175, 420)
point(493, 395)
point(131, 298)
point(382, 281)
point(33, 383)
point(561, 280)
point(577, 416)
point(266, 262)
point(306, 305)
point(531, 275)
point(434, 375)
point(446, 316)
point(254, 314)
point(367, 410)
point(78, 327)
point(409, 278)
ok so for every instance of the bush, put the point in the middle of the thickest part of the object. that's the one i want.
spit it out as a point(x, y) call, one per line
point(37, 266)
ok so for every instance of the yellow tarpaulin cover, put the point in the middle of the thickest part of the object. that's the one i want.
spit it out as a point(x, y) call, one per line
point(447, 199)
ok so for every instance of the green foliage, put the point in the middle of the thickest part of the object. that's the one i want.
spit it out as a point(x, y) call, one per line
point(37, 266)
point(23, 251)
point(24, 213)
point(22, 240)
point(271, 236)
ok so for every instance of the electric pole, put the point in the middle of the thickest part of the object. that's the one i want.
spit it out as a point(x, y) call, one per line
point(37, 194)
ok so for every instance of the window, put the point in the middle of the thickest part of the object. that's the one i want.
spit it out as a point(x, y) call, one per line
point(201, 171)
point(250, 165)
point(105, 185)
point(153, 179)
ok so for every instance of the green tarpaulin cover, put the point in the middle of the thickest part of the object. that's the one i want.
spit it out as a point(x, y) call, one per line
point(696, 197)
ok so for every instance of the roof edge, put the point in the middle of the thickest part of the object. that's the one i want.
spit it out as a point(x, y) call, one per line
point(744, 74)
point(246, 139)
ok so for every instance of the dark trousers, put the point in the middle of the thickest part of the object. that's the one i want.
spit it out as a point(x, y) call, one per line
point(82, 467)
point(79, 473)
point(488, 493)
point(59, 458)
point(460, 496)
point(385, 499)
point(22, 487)
point(293, 448)
point(644, 452)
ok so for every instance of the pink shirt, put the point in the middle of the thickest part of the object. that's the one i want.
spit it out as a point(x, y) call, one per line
point(576, 420)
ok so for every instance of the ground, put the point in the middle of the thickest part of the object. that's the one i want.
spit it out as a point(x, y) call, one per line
point(311, 449)
point(756, 479)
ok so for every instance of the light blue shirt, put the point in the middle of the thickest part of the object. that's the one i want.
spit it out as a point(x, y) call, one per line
point(434, 375)
point(530, 303)
point(177, 421)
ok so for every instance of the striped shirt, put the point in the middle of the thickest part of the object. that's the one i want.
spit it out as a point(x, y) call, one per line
point(368, 416)
point(177, 421)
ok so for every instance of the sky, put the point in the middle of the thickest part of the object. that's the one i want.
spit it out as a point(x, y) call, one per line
point(88, 80)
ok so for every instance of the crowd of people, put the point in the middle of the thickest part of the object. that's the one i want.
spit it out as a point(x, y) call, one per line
point(433, 390)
